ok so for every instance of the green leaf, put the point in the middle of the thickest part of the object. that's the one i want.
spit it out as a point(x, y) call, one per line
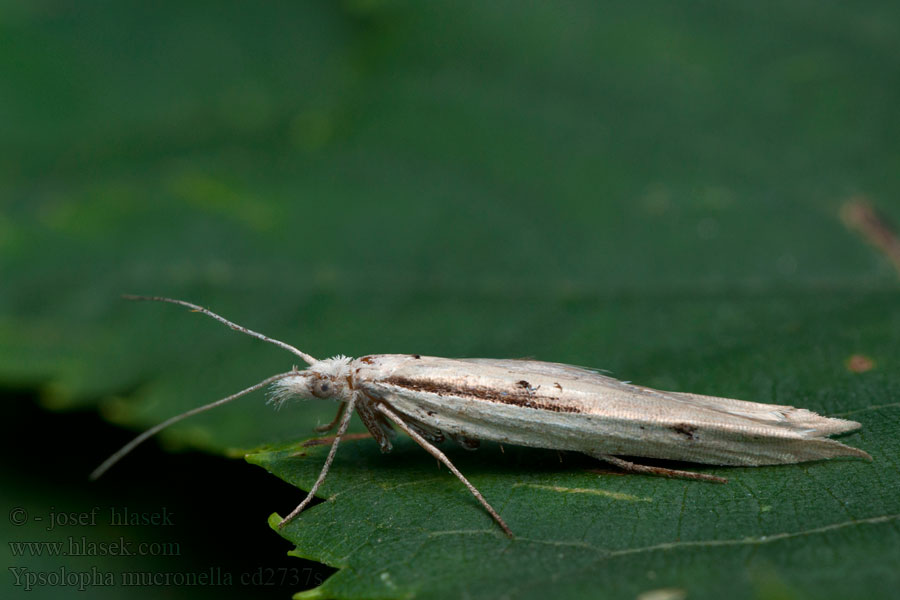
point(653, 190)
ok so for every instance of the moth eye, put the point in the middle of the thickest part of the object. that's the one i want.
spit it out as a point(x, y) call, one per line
point(323, 389)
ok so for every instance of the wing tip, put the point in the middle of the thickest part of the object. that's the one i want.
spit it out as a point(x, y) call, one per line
point(826, 449)
point(817, 425)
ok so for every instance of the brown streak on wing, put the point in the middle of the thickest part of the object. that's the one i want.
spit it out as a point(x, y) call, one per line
point(685, 429)
point(518, 396)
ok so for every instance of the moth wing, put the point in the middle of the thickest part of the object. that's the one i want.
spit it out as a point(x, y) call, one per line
point(525, 366)
point(554, 405)
point(800, 420)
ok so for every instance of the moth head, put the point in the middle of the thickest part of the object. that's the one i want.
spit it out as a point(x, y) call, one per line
point(325, 379)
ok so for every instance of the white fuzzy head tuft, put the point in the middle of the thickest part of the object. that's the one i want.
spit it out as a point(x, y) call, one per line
point(336, 366)
point(283, 390)
point(325, 379)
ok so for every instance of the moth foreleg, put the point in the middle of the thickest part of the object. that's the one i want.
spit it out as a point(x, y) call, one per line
point(661, 471)
point(443, 458)
point(345, 422)
point(334, 421)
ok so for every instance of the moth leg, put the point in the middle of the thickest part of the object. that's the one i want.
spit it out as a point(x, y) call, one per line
point(334, 421)
point(345, 422)
point(661, 471)
point(377, 425)
point(441, 457)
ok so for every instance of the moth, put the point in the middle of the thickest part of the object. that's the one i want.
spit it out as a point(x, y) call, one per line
point(538, 404)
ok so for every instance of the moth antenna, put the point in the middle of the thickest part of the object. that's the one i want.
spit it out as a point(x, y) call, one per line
point(306, 357)
point(171, 421)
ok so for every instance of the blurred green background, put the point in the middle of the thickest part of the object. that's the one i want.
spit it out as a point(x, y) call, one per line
point(653, 189)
